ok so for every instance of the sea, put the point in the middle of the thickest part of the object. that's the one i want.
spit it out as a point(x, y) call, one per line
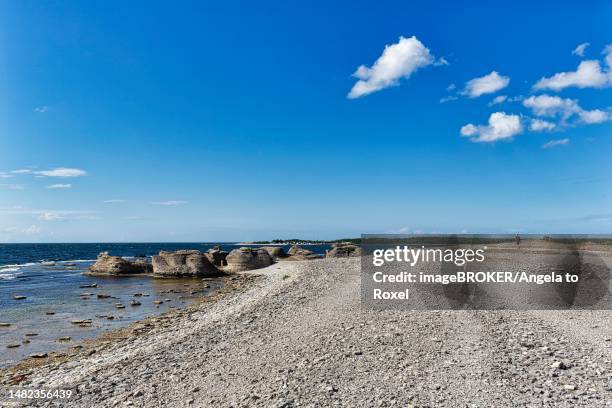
point(43, 289)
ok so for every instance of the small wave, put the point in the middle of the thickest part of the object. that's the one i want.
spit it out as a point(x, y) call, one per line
point(9, 269)
point(9, 276)
point(18, 265)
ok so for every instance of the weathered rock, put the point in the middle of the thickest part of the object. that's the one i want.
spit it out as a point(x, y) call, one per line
point(115, 265)
point(182, 263)
point(275, 251)
point(216, 256)
point(344, 250)
point(297, 250)
point(246, 259)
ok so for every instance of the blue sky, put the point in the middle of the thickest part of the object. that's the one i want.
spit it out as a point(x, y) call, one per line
point(232, 121)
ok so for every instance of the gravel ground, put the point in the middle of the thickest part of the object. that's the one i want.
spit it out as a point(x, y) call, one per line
point(299, 337)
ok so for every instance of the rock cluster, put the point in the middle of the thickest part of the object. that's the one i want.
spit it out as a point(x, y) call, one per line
point(115, 265)
point(216, 256)
point(182, 263)
point(344, 250)
point(296, 252)
point(244, 259)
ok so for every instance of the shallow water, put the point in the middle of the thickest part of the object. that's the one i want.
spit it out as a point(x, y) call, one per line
point(50, 276)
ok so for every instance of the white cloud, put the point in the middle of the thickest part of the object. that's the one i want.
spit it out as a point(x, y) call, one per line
point(594, 116)
point(51, 216)
point(607, 52)
point(539, 125)
point(441, 62)
point(170, 203)
point(399, 60)
point(41, 109)
point(501, 126)
point(5, 175)
point(487, 84)
point(32, 230)
point(589, 74)
point(448, 98)
point(61, 172)
point(551, 106)
point(498, 99)
point(53, 186)
point(21, 171)
point(114, 200)
point(546, 105)
point(451, 87)
point(554, 143)
point(579, 50)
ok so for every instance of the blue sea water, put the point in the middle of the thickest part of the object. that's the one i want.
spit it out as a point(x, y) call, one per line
point(51, 278)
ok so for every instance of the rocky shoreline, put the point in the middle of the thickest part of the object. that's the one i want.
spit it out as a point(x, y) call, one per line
point(296, 334)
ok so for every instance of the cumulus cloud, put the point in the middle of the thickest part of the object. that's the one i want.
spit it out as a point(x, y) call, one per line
point(61, 172)
point(399, 60)
point(498, 99)
point(554, 143)
point(53, 186)
point(579, 50)
point(539, 125)
point(170, 203)
point(501, 126)
point(546, 105)
point(589, 74)
point(551, 106)
point(487, 84)
point(594, 116)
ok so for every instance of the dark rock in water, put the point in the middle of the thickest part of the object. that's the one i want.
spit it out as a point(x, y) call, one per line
point(103, 296)
point(66, 338)
point(31, 334)
point(40, 355)
point(182, 263)
point(135, 303)
point(81, 321)
point(4, 324)
point(344, 250)
point(216, 256)
point(91, 285)
point(50, 313)
point(246, 259)
point(19, 297)
point(275, 251)
point(13, 345)
point(115, 265)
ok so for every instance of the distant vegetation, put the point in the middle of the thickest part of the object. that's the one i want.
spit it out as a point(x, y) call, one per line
point(294, 241)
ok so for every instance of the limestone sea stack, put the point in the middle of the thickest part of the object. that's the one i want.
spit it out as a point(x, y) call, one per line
point(275, 251)
point(182, 263)
point(216, 256)
point(245, 259)
point(115, 265)
point(344, 250)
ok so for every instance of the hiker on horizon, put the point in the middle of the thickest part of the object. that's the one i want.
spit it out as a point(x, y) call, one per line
point(517, 238)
